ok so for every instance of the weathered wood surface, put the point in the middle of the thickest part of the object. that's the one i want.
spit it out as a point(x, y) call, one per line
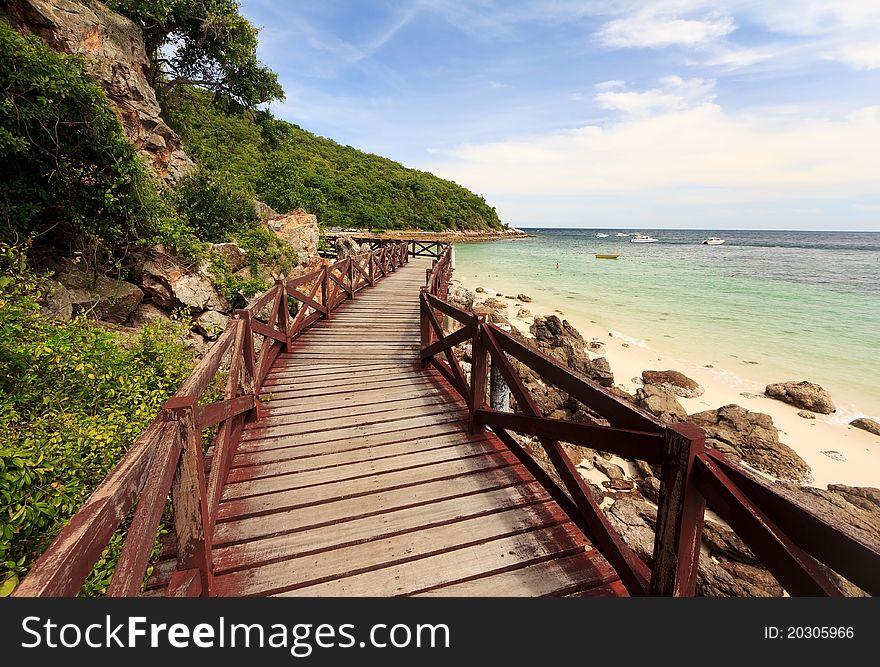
point(361, 478)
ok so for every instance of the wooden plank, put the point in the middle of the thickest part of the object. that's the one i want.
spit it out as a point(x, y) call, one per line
point(281, 500)
point(450, 429)
point(379, 503)
point(559, 576)
point(304, 406)
point(366, 557)
point(320, 458)
point(413, 576)
point(292, 476)
point(354, 530)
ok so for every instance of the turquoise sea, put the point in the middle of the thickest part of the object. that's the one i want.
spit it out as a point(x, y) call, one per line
point(771, 305)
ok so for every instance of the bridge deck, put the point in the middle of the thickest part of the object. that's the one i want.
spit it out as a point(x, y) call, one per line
point(363, 480)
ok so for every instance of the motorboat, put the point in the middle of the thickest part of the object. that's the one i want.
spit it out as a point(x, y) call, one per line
point(713, 240)
point(600, 235)
point(622, 234)
point(601, 256)
point(641, 238)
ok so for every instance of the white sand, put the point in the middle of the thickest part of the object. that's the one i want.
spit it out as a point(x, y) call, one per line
point(808, 437)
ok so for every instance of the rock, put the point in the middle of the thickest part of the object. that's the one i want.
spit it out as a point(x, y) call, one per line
point(806, 395)
point(634, 519)
point(211, 324)
point(479, 290)
point(680, 383)
point(751, 437)
point(855, 507)
point(495, 304)
point(806, 415)
point(234, 256)
point(524, 298)
point(300, 229)
point(619, 485)
point(597, 346)
point(866, 424)
point(460, 297)
point(113, 48)
point(558, 339)
point(103, 298)
point(748, 394)
point(264, 211)
point(145, 314)
point(195, 341)
point(721, 577)
point(834, 455)
point(650, 489)
point(661, 402)
point(169, 284)
point(610, 470)
point(524, 314)
point(348, 247)
point(56, 301)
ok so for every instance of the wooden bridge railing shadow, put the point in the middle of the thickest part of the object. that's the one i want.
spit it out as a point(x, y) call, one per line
point(788, 538)
point(168, 459)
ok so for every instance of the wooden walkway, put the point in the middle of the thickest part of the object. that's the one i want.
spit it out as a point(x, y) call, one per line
point(362, 480)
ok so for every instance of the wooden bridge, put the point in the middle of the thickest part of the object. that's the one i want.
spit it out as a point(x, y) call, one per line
point(350, 456)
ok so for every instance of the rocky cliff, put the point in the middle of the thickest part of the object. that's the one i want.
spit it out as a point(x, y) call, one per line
point(114, 48)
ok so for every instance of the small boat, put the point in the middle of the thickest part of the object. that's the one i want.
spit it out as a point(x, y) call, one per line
point(713, 240)
point(600, 235)
point(599, 256)
point(641, 238)
point(622, 235)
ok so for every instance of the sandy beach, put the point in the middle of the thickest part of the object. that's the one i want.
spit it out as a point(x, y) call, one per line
point(836, 452)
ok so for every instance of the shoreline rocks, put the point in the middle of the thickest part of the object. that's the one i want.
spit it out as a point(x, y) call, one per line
point(866, 424)
point(679, 383)
point(804, 395)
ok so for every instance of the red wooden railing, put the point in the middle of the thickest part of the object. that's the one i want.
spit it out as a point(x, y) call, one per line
point(790, 539)
point(168, 459)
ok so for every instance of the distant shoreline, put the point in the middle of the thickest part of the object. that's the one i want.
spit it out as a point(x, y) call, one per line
point(458, 236)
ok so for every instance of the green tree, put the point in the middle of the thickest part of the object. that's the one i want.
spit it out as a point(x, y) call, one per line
point(206, 43)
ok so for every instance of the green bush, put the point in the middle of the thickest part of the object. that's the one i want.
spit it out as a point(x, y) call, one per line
point(215, 210)
point(73, 397)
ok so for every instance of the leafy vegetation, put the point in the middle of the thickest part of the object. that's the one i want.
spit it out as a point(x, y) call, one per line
point(73, 397)
point(211, 45)
point(288, 167)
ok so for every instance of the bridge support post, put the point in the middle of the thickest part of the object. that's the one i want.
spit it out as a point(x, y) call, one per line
point(325, 291)
point(680, 514)
point(189, 495)
point(499, 392)
point(479, 364)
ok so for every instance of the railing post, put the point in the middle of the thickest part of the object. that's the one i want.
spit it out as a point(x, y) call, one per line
point(499, 393)
point(325, 290)
point(283, 312)
point(351, 275)
point(680, 514)
point(479, 363)
point(189, 495)
point(424, 322)
point(249, 368)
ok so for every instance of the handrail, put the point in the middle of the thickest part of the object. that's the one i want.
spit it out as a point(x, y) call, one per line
point(786, 536)
point(169, 459)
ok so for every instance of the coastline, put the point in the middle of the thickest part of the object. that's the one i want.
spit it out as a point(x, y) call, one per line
point(458, 236)
point(629, 356)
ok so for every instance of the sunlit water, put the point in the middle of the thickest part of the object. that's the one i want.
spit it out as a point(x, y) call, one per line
point(803, 305)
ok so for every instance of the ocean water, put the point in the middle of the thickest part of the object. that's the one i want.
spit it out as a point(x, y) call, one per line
point(770, 305)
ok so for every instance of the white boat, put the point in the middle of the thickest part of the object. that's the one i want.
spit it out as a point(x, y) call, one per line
point(600, 235)
point(621, 234)
point(713, 240)
point(641, 238)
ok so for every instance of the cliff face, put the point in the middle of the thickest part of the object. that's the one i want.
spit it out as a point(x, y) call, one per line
point(114, 47)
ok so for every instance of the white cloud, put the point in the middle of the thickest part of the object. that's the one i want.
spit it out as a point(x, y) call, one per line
point(859, 56)
point(672, 93)
point(699, 154)
point(648, 29)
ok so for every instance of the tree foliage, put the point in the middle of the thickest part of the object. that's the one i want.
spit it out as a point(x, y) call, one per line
point(207, 43)
point(288, 167)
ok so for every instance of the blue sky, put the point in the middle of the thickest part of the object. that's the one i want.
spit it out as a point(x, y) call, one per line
point(595, 113)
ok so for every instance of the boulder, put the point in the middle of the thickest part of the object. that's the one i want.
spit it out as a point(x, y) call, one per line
point(460, 297)
point(211, 324)
point(611, 470)
point(679, 383)
point(524, 298)
point(661, 402)
point(169, 284)
point(113, 48)
point(56, 301)
point(524, 314)
point(855, 507)
point(866, 424)
point(145, 314)
point(348, 247)
point(806, 414)
point(264, 211)
point(805, 395)
point(558, 339)
point(751, 437)
point(479, 290)
point(103, 298)
point(234, 256)
point(495, 304)
point(299, 229)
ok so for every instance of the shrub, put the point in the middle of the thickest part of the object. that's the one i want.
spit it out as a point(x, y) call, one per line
point(73, 397)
